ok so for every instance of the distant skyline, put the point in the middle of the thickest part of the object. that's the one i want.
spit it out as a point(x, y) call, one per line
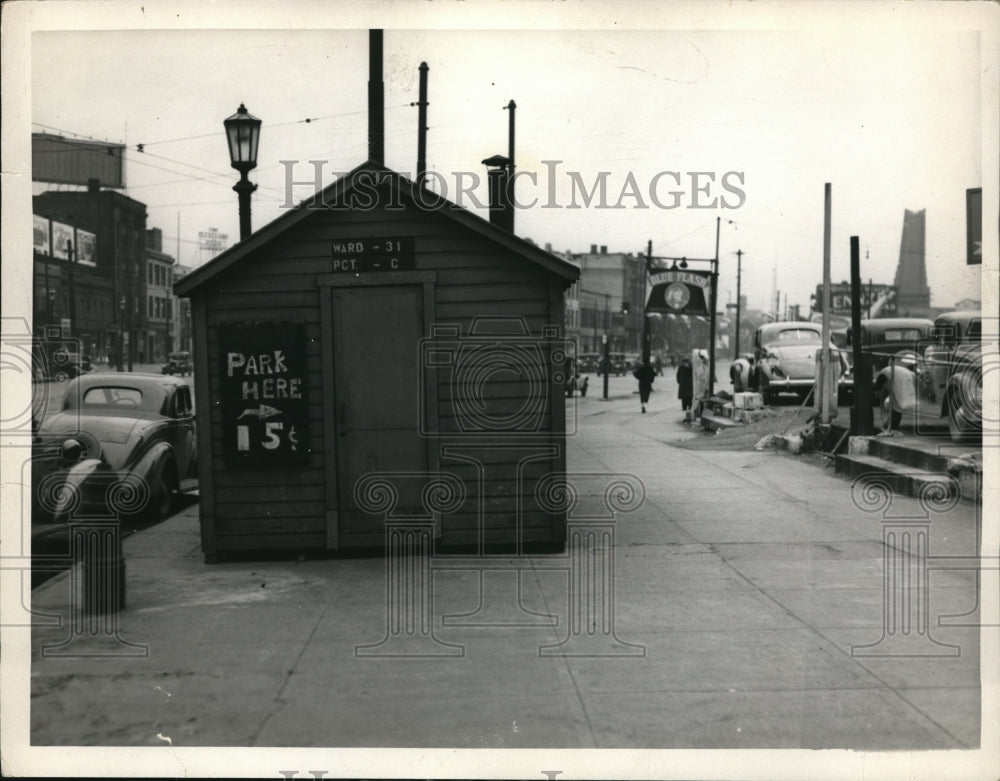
point(890, 117)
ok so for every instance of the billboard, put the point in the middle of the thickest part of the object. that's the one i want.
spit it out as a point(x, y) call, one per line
point(86, 248)
point(76, 161)
point(41, 235)
point(212, 241)
point(677, 292)
point(62, 239)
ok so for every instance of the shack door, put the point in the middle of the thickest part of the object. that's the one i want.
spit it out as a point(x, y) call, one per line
point(376, 366)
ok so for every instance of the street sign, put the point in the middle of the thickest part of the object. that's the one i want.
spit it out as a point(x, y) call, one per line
point(880, 300)
point(367, 255)
point(265, 409)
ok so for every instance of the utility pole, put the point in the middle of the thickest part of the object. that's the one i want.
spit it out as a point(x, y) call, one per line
point(711, 336)
point(777, 306)
point(824, 367)
point(642, 307)
point(739, 276)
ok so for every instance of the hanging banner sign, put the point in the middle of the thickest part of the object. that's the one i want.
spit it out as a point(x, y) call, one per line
point(679, 292)
point(265, 413)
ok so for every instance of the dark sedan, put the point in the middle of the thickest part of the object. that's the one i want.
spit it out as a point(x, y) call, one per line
point(121, 445)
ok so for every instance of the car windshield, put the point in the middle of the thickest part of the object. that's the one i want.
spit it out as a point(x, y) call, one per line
point(798, 335)
point(115, 397)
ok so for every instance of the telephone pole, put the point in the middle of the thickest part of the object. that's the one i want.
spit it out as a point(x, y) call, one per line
point(739, 279)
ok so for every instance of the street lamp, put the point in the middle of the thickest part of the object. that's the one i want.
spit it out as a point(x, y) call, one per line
point(243, 135)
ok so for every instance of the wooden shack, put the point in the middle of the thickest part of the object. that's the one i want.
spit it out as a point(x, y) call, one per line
point(378, 330)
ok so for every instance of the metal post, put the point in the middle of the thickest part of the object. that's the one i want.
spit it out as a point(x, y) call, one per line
point(862, 419)
point(243, 188)
point(509, 185)
point(376, 99)
point(711, 336)
point(422, 123)
point(606, 364)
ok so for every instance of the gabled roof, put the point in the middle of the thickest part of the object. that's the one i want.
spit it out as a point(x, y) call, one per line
point(336, 193)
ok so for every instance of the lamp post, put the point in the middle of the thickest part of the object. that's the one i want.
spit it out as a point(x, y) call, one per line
point(243, 135)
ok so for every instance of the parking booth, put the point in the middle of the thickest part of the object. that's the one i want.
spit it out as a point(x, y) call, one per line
point(378, 352)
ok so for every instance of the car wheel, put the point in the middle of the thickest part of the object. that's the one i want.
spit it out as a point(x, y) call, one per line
point(956, 428)
point(161, 503)
point(889, 418)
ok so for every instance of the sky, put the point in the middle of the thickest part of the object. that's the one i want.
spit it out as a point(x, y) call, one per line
point(891, 118)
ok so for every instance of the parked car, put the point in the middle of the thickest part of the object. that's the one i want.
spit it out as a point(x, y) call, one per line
point(785, 354)
point(177, 363)
point(883, 338)
point(121, 445)
point(940, 377)
point(619, 365)
point(588, 363)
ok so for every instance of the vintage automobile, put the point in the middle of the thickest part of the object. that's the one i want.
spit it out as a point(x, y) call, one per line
point(884, 337)
point(785, 355)
point(177, 363)
point(121, 445)
point(939, 377)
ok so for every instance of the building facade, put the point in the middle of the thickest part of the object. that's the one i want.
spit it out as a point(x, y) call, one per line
point(98, 297)
point(160, 300)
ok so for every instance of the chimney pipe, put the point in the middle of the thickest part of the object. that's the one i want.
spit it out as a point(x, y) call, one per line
point(422, 124)
point(509, 185)
point(593, 249)
point(376, 99)
point(501, 213)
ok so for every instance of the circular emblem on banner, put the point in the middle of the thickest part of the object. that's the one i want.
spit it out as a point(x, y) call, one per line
point(677, 295)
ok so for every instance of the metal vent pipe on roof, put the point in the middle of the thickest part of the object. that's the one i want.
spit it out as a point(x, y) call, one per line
point(376, 99)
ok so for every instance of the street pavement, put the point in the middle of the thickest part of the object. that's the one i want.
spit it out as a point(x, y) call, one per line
point(731, 603)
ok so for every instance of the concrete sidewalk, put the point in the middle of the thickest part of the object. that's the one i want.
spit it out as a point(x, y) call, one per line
point(739, 588)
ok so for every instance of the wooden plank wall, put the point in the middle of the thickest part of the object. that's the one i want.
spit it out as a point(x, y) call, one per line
point(285, 507)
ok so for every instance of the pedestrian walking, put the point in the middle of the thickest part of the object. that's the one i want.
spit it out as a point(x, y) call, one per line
point(658, 365)
point(685, 384)
point(583, 386)
point(645, 374)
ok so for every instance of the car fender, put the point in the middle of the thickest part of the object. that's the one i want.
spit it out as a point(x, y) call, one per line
point(961, 386)
point(150, 464)
point(73, 480)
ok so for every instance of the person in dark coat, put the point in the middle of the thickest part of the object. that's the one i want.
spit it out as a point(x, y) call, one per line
point(645, 374)
point(583, 386)
point(685, 384)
